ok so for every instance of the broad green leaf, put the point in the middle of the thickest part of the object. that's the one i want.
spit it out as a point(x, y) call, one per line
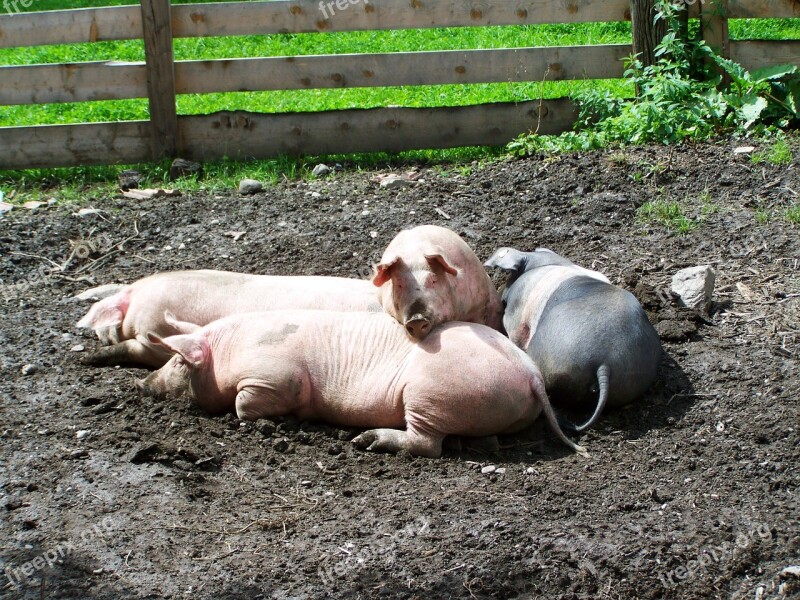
point(752, 107)
point(774, 72)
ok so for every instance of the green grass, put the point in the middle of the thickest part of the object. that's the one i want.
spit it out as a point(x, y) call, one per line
point(793, 214)
point(83, 183)
point(668, 213)
point(778, 153)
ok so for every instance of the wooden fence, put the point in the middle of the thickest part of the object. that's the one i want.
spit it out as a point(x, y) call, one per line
point(255, 135)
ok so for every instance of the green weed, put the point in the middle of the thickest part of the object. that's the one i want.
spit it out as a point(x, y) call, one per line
point(667, 213)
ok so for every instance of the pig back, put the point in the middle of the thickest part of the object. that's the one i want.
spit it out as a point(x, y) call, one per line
point(587, 324)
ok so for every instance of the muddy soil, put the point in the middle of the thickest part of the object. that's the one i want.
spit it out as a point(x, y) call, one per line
point(690, 493)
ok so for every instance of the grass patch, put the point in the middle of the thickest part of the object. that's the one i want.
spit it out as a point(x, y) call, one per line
point(793, 214)
point(778, 153)
point(82, 183)
point(668, 213)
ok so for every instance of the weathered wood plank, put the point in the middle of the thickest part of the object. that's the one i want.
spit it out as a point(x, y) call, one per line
point(756, 54)
point(295, 16)
point(70, 26)
point(262, 18)
point(157, 24)
point(401, 68)
point(74, 145)
point(761, 9)
point(714, 24)
point(75, 82)
point(241, 135)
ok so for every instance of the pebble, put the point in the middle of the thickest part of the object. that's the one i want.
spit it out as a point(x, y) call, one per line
point(250, 186)
point(791, 571)
point(29, 369)
point(316, 195)
point(306, 483)
point(391, 183)
point(500, 470)
point(77, 348)
point(321, 170)
point(82, 433)
point(488, 469)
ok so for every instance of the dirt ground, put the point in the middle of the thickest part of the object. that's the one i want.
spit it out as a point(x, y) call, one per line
point(690, 493)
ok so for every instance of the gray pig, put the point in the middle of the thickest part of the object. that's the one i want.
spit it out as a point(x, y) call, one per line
point(590, 339)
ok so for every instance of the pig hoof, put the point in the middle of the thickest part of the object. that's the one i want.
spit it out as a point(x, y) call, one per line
point(365, 440)
point(380, 440)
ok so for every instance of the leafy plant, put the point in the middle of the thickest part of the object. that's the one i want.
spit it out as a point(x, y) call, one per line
point(681, 96)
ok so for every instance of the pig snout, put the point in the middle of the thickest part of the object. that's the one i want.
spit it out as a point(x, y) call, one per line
point(418, 326)
point(149, 388)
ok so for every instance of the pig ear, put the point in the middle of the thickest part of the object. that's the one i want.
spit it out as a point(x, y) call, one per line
point(508, 259)
point(434, 259)
point(180, 326)
point(383, 270)
point(192, 348)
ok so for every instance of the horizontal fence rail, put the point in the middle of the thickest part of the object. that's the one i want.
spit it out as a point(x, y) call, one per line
point(303, 16)
point(251, 135)
point(241, 135)
point(38, 84)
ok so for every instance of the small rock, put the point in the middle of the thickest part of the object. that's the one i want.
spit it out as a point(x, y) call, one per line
point(321, 170)
point(85, 212)
point(29, 369)
point(393, 182)
point(500, 470)
point(335, 449)
point(743, 150)
point(78, 454)
point(129, 179)
point(316, 195)
point(77, 348)
point(281, 445)
point(250, 186)
point(488, 469)
point(81, 433)
point(530, 471)
point(182, 168)
point(33, 205)
point(792, 571)
point(306, 483)
point(143, 453)
point(5, 207)
point(694, 286)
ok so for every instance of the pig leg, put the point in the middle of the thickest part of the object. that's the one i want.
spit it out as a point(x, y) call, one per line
point(129, 351)
point(279, 395)
point(394, 440)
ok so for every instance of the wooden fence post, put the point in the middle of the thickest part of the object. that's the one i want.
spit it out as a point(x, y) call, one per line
point(714, 24)
point(157, 32)
point(647, 33)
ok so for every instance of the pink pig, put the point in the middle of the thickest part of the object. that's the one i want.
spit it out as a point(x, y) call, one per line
point(428, 275)
point(358, 370)
point(178, 302)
